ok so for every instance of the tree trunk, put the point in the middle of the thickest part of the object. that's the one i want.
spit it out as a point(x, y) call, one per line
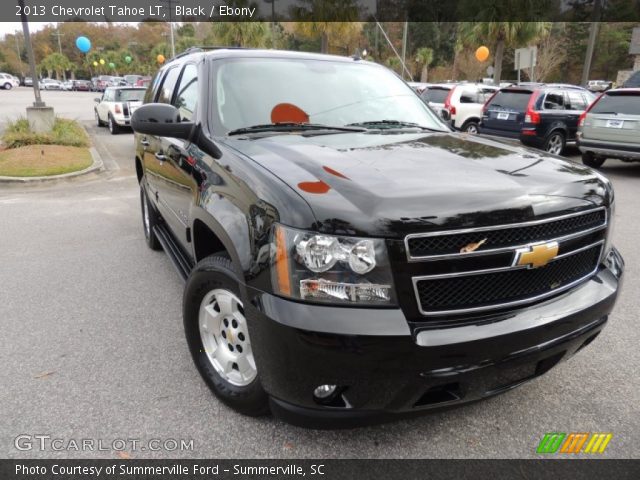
point(424, 74)
point(497, 67)
point(324, 45)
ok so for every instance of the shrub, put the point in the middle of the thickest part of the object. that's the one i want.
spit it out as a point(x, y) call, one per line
point(64, 132)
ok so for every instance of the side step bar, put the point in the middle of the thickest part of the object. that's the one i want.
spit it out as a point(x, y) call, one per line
point(178, 258)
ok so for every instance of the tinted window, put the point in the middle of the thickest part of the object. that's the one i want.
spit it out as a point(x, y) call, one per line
point(168, 85)
point(187, 96)
point(469, 96)
point(511, 100)
point(152, 92)
point(435, 95)
point(628, 104)
point(554, 101)
point(577, 101)
point(129, 95)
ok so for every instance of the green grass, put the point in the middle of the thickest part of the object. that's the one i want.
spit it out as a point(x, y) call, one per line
point(43, 160)
point(65, 132)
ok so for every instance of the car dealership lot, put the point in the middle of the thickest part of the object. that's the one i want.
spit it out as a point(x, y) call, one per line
point(93, 345)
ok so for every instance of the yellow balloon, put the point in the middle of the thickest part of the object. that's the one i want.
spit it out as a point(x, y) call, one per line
point(95, 64)
point(482, 53)
point(102, 62)
point(160, 58)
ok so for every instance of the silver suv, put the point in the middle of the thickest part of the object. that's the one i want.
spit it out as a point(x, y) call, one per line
point(610, 128)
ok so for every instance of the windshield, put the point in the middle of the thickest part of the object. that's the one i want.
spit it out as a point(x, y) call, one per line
point(627, 104)
point(124, 95)
point(329, 93)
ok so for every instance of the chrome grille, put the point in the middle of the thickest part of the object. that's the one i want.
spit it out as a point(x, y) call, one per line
point(465, 283)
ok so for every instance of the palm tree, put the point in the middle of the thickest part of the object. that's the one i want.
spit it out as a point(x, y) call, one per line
point(56, 62)
point(424, 57)
point(394, 63)
point(345, 10)
point(242, 34)
point(501, 35)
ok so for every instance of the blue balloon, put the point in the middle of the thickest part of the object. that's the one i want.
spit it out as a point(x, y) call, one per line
point(83, 44)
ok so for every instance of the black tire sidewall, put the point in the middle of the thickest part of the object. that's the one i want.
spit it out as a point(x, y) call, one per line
point(211, 273)
point(466, 125)
point(113, 126)
point(590, 160)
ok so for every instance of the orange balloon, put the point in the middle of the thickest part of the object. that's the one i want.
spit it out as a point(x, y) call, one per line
point(482, 53)
point(160, 58)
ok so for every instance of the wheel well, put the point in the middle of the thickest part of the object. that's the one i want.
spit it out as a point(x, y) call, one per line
point(559, 129)
point(205, 242)
point(139, 170)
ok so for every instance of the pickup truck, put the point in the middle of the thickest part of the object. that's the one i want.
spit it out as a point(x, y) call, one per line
point(348, 257)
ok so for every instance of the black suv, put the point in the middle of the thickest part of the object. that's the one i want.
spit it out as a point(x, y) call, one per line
point(541, 116)
point(346, 254)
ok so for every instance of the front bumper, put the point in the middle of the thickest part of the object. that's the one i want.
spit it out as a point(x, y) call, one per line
point(384, 367)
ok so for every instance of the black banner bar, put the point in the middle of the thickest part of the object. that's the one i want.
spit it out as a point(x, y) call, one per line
point(577, 468)
point(322, 10)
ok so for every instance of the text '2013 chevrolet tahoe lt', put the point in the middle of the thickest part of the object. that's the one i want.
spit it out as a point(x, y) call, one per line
point(349, 257)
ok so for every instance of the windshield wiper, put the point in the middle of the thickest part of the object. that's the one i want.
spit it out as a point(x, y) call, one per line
point(291, 127)
point(387, 124)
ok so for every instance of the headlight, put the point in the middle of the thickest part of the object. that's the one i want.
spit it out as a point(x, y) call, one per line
point(324, 268)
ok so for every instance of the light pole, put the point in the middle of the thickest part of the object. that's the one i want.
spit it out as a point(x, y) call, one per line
point(41, 118)
point(58, 34)
point(170, 4)
point(15, 35)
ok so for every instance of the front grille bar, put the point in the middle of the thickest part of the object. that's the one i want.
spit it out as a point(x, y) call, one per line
point(514, 303)
point(510, 248)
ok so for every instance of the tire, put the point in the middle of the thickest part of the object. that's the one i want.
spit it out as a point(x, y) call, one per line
point(98, 121)
point(114, 129)
point(470, 126)
point(555, 143)
point(150, 219)
point(211, 298)
point(8, 86)
point(590, 160)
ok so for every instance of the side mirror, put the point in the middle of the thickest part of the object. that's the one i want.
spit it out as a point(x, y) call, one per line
point(97, 100)
point(161, 120)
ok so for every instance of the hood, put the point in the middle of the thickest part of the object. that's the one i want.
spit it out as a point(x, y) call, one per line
point(389, 185)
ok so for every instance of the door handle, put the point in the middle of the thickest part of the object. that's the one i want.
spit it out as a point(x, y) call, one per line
point(144, 142)
point(160, 156)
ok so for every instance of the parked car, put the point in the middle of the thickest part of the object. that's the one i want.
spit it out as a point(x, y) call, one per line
point(81, 85)
point(102, 82)
point(50, 84)
point(7, 81)
point(610, 128)
point(598, 86)
point(435, 95)
point(116, 105)
point(633, 81)
point(463, 105)
point(28, 82)
point(544, 117)
point(118, 82)
point(131, 80)
point(347, 254)
point(67, 85)
point(143, 82)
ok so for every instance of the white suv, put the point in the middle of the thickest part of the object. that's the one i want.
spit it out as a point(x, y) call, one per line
point(8, 81)
point(463, 105)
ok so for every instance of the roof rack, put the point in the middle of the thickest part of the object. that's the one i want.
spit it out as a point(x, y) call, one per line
point(204, 48)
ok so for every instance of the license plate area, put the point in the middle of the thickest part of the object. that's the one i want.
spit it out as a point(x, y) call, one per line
point(503, 116)
point(614, 123)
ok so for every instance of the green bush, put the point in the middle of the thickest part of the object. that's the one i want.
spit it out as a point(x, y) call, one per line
point(64, 132)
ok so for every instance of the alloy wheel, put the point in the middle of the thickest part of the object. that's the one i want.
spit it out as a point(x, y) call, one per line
point(554, 145)
point(225, 337)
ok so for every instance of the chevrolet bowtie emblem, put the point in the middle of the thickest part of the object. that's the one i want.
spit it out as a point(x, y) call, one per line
point(534, 256)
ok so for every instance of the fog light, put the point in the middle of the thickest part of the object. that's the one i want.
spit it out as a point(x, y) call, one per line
point(324, 391)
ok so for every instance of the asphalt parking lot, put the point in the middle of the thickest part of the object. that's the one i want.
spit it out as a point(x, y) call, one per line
point(93, 348)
